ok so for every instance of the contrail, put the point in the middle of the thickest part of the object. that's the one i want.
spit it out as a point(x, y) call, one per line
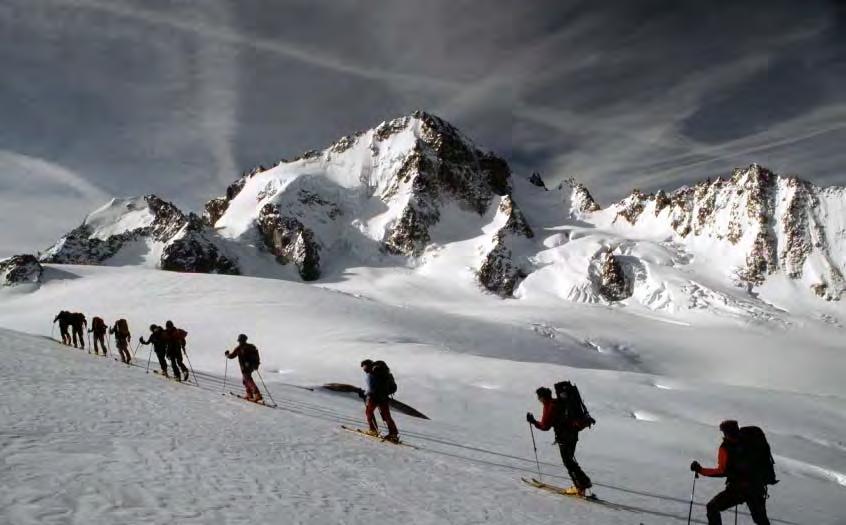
point(284, 49)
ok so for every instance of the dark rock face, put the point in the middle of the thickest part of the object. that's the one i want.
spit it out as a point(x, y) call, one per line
point(290, 241)
point(499, 272)
point(20, 269)
point(192, 251)
point(536, 180)
point(214, 210)
point(442, 166)
point(612, 283)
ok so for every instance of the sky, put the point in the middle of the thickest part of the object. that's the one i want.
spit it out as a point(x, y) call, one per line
point(104, 98)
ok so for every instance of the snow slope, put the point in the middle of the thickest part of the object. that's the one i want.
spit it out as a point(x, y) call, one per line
point(88, 439)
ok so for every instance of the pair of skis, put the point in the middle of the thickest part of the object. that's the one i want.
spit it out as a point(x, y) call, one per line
point(262, 403)
point(381, 439)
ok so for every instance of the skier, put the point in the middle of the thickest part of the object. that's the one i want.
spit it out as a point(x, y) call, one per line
point(557, 416)
point(64, 322)
point(122, 339)
point(248, 359)
point(175, 338)
point(98, 328)
point(379, 386)
point(78, 324)
point(743, 483)
point(159, 342)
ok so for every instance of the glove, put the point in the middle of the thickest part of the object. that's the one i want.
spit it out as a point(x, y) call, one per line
point(226, 353)
point(361, 394)
point(695, 467)
point(141, 339)
point(530, 418)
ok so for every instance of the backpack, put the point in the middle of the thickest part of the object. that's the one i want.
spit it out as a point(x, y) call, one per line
point(251, 356)
point(572, 410)
point(752, 459)
point(385, 383)
point(121, 327)
point(98, 325)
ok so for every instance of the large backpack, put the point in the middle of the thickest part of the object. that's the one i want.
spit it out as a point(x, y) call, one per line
point(752, 459)
point(98, 325)
point(122, 327)
point(385, 385)
point(251, 356)
point(572, 412)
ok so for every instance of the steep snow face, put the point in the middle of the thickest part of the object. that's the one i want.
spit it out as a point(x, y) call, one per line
point(146, 231)
point(367, 197)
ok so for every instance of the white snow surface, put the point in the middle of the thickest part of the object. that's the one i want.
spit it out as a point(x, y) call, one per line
point(89, 440)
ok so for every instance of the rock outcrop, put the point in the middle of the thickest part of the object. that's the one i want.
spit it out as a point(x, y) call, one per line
point(20, 269)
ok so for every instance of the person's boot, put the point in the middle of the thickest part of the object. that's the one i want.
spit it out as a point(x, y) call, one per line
point(393, 438)
point(371, 432)
point(164, 373)
point(185, 376)
point(573, 491)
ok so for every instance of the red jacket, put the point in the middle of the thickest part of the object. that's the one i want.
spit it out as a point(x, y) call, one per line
point(722, 464)
point(547, 420)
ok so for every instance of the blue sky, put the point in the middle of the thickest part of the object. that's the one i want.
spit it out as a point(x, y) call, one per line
point(102, 98)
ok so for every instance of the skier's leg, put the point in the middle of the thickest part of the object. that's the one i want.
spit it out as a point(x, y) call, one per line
point(757, 503)
point(369, 414)
point(722, 501)
point(162, 361)
point(81, 338)
point(252, 389)
point(173, 367)
point(567, 447)
point(385, 412)
point(182, 366)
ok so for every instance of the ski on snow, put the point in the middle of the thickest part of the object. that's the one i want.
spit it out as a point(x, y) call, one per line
point(170, 378)
point(560, 491)
point(376, 438)
point(259, 403)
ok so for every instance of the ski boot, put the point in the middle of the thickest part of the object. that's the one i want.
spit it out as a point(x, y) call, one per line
point(393, 438)
point(185, 376)
point(374, 433)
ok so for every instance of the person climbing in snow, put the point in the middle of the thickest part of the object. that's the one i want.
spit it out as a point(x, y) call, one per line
point(122, 339)
point(78, 326)
point(556, 416)
point(175, 338)
point(743, 483)
point(159, 342)
point(64, 320)
point(248, 359)
point(99, 329)
point(379, 386)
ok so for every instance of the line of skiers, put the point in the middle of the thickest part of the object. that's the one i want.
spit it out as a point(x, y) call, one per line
point(168, 342)
point(744, 457)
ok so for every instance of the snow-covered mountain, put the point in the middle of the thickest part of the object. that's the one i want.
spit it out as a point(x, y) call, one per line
point(414, 193)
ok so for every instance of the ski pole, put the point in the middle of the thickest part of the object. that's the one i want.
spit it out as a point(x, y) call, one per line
point(265, 387)
point(225, 371)
point(136, 349)
point(191, 367)
point(735, 515)
point(534, 446)
point(89, 342)
point(692, 492)
point(53, 330)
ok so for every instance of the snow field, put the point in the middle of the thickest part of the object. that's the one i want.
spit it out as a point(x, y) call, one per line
point(91, 440)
